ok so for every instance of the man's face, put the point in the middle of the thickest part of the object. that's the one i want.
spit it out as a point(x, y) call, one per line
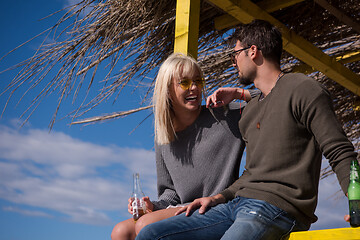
point(242, 63)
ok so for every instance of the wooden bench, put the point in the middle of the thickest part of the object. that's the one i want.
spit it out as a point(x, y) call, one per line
point(327, 234)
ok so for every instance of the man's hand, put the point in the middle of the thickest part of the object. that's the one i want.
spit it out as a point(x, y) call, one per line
point(202, 203)
point(224, 96)
point(347, 217)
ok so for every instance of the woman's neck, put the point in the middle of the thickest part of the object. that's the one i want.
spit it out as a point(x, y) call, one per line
point(184, 119)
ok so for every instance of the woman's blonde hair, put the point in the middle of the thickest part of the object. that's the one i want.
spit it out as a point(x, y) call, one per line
point(175, 67)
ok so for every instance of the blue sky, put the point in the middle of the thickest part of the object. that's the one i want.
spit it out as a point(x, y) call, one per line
point(74, 182)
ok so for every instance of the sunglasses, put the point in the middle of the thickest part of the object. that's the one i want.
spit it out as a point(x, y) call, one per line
point(185, 84)
point(233, 54)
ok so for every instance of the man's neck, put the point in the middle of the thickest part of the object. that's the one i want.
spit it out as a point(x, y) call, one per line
point(266, 80)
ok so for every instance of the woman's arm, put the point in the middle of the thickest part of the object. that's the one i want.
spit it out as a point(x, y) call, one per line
point(166, 189)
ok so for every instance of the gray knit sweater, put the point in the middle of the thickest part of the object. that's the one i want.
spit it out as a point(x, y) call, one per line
point(283, 156)
point(202, 161)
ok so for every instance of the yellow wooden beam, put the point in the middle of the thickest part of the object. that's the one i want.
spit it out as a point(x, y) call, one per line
point(245, 11)
point(227, 20)
point(274, 5)
point(349, 57)
point(187, 27)
point(346, 58)
point(327, 234)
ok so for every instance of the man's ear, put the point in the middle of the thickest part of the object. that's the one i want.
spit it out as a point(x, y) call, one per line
point(256, 55)
point(253, 51)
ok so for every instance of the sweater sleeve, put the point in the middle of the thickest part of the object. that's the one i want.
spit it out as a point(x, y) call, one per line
point(254, 92)
point(320, 119)
point(229, 193)
point(166, 190)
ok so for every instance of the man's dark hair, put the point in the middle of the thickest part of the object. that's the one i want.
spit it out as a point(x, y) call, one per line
point(263, 35)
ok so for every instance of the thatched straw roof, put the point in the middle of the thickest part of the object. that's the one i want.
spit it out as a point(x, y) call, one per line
point(141, 33)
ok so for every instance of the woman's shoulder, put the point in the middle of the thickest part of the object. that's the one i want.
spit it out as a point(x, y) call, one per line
point(235, 106)
point(229, 107)
point(230, 111)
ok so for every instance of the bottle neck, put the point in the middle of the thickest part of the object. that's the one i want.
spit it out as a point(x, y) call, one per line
point(136, 186)
point(354, 171)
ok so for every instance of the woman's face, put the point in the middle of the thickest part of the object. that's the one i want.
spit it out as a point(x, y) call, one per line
point(187, 100)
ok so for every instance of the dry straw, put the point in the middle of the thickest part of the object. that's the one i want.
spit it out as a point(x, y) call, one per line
point(141, 33)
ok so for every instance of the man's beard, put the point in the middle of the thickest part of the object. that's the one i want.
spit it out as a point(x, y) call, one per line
point(245, 80)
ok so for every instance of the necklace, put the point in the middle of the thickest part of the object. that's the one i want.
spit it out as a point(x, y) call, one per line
point(262, 98)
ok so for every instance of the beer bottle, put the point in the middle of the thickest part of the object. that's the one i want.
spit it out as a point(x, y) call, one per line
point(354, 194)
point(138, 204)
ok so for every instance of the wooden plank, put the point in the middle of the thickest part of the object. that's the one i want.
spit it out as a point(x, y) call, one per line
point(327, 234)
point(349, 57)
point(187, 27)
point(339, 15)
point(274, 5)
point(245, 11)
point(227, 20)
point(346, 58)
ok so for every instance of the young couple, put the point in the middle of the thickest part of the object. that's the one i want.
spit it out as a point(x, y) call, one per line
point(286, 130)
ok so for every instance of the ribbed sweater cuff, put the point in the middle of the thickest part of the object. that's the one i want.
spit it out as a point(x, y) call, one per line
point(343, 170)
point(228, 195)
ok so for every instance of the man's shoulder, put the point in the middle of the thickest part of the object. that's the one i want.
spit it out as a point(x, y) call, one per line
point(302, 91)
point(303, 84)
point(298, 79)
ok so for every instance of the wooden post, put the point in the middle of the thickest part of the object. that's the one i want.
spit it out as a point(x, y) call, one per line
point(187, 27)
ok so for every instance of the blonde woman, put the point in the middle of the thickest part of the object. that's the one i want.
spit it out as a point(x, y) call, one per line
point(198, 150)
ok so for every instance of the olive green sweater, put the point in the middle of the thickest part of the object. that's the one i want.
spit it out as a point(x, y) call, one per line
point(283, 156)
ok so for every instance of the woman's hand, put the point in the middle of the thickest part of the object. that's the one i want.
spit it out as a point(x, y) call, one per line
point(130, 209)
point(149, 205)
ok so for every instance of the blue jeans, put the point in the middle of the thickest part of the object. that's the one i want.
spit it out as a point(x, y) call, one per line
point(242, 218)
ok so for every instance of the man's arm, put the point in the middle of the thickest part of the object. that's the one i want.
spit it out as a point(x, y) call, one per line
point(206, 202)
point(318, 116)
point(224, 96)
